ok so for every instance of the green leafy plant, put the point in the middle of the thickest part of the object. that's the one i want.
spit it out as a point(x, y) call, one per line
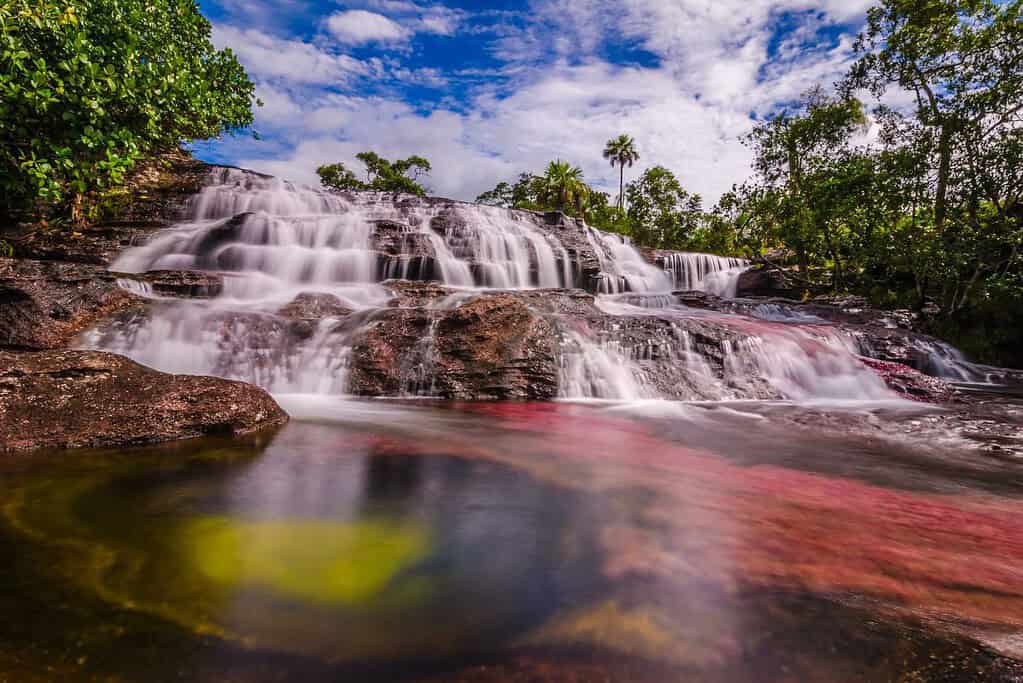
point(88, 87)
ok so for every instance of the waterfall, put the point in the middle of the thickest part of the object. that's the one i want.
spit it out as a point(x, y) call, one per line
point(592, 370)
point(279, 247)
point(622, 267)
point(704, 272)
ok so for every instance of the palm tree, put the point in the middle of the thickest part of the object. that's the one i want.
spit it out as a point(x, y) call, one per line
point(621, 151)
point(562, 186)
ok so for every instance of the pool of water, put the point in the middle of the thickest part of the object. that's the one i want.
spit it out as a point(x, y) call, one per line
point(428, 541)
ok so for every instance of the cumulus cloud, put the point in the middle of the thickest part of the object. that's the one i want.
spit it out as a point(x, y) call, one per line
point(715, 66)
point(296, 61)
point(358, 27)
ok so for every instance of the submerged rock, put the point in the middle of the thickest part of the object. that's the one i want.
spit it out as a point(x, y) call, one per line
point(68, 399)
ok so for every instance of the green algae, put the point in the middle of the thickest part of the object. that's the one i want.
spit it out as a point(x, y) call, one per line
point(325, 561)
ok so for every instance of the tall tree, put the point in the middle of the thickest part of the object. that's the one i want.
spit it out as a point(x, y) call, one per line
point(621, 152)
point(664, 214)
point(963, 62)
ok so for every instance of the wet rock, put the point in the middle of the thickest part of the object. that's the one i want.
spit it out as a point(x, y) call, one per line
point(314, 306)
point(491, 347)
point(766, 281)
point(70, 399)
point(187, 284)
point(44, 304)
point(911, 383)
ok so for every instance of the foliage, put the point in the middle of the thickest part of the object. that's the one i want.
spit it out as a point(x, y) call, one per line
point(87, 87)
point(621, 151)
point(663, 213)
point(401, 176)
point(562, 188)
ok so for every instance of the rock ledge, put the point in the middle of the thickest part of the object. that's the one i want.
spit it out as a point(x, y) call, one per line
point(70, 399)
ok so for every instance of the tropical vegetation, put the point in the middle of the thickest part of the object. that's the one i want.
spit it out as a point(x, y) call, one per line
point(89, 87)
point(382, 175)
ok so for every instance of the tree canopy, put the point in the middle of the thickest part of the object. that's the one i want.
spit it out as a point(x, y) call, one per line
point(621, 151)
point(88, 87)
point(400, 176)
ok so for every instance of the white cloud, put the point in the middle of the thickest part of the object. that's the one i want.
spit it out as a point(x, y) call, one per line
point(359, 27)
point(719, 60)
point(296, 61)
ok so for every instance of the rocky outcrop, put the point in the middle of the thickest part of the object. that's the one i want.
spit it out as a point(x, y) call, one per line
point(44, 304)
point(911, 383)
point(495, 346)
point(152, 198)
point(69, 399)
point(767, 281)
point(181, 284)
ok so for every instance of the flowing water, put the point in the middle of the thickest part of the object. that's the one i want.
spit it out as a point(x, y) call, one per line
point(747, 501)
point(644, 541)
point(273, 241)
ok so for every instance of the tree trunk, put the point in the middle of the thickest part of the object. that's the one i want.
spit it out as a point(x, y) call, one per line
point(621, 188)
point(944, 169)
point(77, 215)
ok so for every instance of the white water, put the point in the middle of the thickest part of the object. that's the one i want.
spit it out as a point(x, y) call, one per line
point(704, 272)
point(274, 240)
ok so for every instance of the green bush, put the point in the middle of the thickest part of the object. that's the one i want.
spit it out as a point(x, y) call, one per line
point(87, 87)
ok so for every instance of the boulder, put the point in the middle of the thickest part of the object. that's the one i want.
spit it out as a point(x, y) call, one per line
point(314, 306)
point(69, 399)
point(182, 284)
point(765, 281)
point(44, 304)
point(494, 346)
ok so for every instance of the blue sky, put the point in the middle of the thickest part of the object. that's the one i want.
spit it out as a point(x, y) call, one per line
point(487, 89)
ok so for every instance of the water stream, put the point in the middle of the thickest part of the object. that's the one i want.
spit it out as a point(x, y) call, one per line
point(719, 495)
point(273, 241)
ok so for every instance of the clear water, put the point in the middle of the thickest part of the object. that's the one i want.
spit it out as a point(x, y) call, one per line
point(644, 541)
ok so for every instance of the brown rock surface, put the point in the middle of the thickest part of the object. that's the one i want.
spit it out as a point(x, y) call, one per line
point(493, 347)
point(68, 399)
point(44, 304)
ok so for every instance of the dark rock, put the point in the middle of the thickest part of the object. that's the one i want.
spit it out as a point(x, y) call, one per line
point(44, 304)
point(70, 399)
point(188, 284)
point(766, 281)
point(491, 347)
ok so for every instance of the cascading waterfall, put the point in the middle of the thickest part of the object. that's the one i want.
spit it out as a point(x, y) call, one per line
point(272, 241)
point(704, 272)
point(622, 267)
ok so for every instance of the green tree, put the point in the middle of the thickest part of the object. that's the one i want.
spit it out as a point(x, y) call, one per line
point(963, 62)
point(338, 177)
point(562, 188)
point(796, 154)
point(382, 175)
point(663, 213)
point(87, 87)
point(621, 151)
point(523, 194)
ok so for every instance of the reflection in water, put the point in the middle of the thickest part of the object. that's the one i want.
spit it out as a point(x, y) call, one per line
point(649, 542)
